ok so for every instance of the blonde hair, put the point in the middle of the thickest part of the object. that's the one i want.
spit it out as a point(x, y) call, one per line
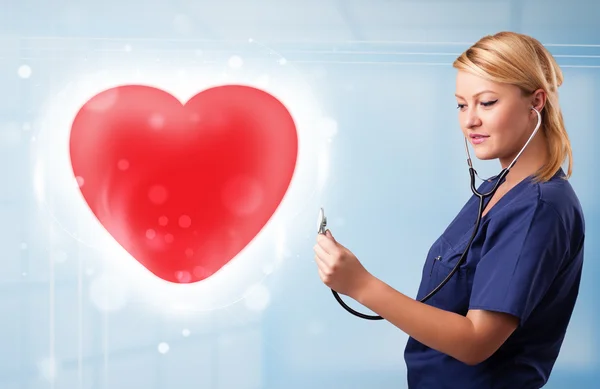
point(521, 60)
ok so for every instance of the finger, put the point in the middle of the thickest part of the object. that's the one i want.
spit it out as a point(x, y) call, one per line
point(327, 243)
point(322, 266)
point(324, 277)
point(322, 255)
point(320, 239)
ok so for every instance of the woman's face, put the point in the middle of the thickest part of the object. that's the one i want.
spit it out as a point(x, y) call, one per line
point(496, 118)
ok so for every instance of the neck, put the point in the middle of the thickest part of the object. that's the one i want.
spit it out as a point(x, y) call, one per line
point(531, 160)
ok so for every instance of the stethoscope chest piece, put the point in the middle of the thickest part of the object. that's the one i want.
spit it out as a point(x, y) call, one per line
point(321, 222)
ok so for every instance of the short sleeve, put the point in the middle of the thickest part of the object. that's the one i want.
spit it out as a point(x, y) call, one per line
point(524, 251)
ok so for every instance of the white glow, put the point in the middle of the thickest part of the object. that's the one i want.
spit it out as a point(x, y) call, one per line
point(57, 190)
point(59, 256)
point(258, 298)
point(328, 127)
point(163, 348)
point(24, 71)
point(324, 168)
point(235, 62)
point(262, 81)
point(280, 252)
point(109, 293)
point(48, 369)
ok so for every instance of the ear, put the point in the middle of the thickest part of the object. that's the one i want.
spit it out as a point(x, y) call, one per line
point(538, 100)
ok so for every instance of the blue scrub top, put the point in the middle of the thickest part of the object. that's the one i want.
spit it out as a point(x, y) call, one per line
point(526, 260)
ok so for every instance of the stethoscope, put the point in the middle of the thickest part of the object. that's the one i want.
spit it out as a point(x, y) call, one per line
point(322, 221)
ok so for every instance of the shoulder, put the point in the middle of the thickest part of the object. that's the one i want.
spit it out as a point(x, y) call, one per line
point(547, 207)
point(559, 196)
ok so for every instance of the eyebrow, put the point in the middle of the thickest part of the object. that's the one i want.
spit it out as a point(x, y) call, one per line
point(477, 94)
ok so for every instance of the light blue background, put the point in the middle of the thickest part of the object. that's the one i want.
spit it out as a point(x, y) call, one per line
point(381, 70)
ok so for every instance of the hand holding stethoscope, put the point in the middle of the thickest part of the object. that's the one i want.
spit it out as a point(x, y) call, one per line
point(322, 222)
point(338, 267)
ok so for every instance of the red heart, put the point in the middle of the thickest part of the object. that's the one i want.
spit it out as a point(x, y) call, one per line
point(183, 188)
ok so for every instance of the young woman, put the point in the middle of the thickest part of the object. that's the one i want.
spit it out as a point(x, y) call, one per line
point(500, 320)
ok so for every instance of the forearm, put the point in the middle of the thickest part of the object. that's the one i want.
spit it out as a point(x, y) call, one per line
point(441, 330)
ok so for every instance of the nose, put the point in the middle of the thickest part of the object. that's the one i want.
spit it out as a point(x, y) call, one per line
point(472, 119)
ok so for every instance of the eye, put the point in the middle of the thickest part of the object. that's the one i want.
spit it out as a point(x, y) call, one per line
point(460, 106)
point(488, 103)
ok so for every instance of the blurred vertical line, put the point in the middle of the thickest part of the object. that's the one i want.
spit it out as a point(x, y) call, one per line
point(79, 309)
point(53, 363)
point(215, 347)
point(267, 342)
point(32, 110)
point(595, 117)
point(516, 15)
point(25, 305)
point(158, 381)
point(96, 376)
point(105, 335)
point(26, 301)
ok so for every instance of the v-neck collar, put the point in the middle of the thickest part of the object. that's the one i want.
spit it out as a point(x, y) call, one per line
point(506, 198)
point(512, 192)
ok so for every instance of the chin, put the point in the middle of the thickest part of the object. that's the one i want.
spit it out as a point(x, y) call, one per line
point(485, 154)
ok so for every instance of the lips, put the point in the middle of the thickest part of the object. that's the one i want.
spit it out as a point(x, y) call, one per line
point(478, 138)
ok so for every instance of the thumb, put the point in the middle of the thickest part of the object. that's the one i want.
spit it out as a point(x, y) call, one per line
point(329, 235)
